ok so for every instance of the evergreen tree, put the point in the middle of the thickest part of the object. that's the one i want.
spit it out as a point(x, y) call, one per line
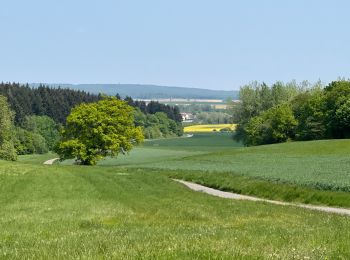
point(7, 149)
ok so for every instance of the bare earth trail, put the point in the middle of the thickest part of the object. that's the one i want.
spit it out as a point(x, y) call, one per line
point(51, 161)
point(230, 195)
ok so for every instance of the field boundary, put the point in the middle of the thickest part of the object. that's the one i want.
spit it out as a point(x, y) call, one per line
point(236, 196)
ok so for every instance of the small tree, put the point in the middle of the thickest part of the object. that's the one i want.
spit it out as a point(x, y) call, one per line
point(96, 130)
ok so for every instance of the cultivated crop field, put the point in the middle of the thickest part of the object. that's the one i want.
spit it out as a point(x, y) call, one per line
point(320, 164)
point(207, 128)
point(200, 142)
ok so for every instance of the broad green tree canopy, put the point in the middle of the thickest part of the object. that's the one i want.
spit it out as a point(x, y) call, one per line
point(97, 130)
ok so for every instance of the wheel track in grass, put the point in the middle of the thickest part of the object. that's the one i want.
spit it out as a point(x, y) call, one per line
point(236, 196)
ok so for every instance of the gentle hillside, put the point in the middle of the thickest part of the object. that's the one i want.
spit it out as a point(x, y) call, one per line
point(318, 164)
point(73, 212)
point(150, 91)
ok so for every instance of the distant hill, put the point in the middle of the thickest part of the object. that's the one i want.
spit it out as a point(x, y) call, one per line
point(150, 91)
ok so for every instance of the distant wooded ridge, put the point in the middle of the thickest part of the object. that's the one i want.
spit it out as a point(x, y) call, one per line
point(139, 91)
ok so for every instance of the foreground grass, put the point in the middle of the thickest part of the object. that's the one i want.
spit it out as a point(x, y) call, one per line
point(57, 211)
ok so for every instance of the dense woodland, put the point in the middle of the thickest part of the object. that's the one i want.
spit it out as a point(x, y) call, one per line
point(31, 118)
point(53, 102)
point(292, 111)
point(57, 103)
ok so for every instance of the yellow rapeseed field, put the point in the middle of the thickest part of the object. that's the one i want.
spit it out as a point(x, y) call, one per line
point(207, 128)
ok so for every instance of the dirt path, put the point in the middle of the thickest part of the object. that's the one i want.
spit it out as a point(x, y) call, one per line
point(51, 161)
point(230, 195)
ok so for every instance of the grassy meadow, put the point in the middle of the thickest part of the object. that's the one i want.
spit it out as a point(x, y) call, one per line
point(51, 212)
point(308, 172)
point(129, 208)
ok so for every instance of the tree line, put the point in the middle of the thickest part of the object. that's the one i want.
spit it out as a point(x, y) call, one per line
point(153, 107)
point(57, 103)
point(291, 111)
point(31, 119)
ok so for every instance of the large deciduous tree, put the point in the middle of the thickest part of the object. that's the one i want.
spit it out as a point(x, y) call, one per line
point(96, 130)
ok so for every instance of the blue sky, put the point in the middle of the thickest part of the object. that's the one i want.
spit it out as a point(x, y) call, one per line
point(220, 44)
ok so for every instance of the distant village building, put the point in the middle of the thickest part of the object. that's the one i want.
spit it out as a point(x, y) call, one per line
point(187, 117)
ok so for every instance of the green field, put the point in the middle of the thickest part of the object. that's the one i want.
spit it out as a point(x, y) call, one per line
point(309, 172)
point(110, 212)
point(318, 164)
point(172, 149)
point(129, 208)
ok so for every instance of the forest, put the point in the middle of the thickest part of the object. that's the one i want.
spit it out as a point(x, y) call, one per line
point(291, 111)
point(32, 118)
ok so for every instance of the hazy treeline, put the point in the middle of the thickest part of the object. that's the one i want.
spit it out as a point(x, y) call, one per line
point(207, 113)
point(213, 118)
point(156, 119)
point(157, 125)
point(153, 107)
point(291, 111)
point(151, 91)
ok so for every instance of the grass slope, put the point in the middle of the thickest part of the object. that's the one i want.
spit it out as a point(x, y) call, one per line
point(51, 212)
point(307, 172)
point(318, 164)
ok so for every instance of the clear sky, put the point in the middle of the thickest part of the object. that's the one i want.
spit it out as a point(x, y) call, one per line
point(212, 44)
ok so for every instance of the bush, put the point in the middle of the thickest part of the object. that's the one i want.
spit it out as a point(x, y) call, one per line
point(29, 143)
point(276, 125)
point(44, 126)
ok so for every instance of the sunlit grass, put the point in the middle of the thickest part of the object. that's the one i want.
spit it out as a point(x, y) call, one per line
point(71, 212)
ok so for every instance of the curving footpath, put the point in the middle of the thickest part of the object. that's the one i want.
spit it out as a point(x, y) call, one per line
point(51, 161)
point(230, 195)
